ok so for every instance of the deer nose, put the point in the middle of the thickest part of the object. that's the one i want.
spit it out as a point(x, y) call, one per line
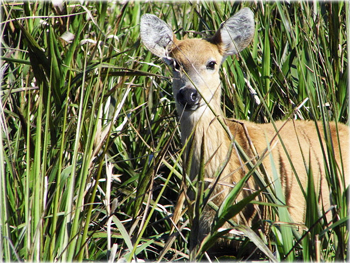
point(188, 98)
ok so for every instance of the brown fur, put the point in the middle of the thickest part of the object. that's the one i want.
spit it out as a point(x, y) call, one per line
point(192, 72)
point(299, 137)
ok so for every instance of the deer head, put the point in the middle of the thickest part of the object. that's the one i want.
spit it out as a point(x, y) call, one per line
point(195, 62)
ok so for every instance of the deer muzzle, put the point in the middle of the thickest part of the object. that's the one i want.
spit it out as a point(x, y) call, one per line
point(189, 98)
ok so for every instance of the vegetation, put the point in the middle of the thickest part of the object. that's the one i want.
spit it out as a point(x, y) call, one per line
point(91, 164)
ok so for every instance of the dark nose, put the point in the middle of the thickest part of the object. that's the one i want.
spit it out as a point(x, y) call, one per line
point(188, 97)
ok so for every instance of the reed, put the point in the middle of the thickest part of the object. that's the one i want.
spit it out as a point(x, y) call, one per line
point(91, 156)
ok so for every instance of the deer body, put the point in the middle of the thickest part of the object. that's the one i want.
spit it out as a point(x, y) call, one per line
point(197, 91)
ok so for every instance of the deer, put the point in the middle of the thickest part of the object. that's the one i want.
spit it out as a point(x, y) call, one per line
point(196, 87)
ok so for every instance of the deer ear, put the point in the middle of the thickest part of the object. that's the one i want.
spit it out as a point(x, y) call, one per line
point(236, 33)
point(156, 35)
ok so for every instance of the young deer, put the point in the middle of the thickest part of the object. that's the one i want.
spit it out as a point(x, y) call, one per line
point(197, 91)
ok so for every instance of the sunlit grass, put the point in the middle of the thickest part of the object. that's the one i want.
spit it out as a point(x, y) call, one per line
point(91, 165)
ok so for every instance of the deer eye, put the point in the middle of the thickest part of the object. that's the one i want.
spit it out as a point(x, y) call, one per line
point(211, 65)
point(176, 65)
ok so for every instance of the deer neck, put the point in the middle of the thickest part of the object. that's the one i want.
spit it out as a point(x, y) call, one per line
point(204, 131)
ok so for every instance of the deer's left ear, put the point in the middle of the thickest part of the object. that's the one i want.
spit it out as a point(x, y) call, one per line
point(236, 33)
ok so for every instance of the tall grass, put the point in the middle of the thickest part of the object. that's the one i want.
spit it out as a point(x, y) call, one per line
point(91, 159)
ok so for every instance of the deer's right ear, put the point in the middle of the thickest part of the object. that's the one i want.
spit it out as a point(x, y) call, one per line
point(156, 35)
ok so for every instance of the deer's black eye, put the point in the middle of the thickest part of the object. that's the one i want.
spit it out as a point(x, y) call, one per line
point(211, 64)
point(176, 65)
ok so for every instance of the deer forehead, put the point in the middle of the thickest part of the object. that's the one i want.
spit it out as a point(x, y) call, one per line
point(195, 52)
